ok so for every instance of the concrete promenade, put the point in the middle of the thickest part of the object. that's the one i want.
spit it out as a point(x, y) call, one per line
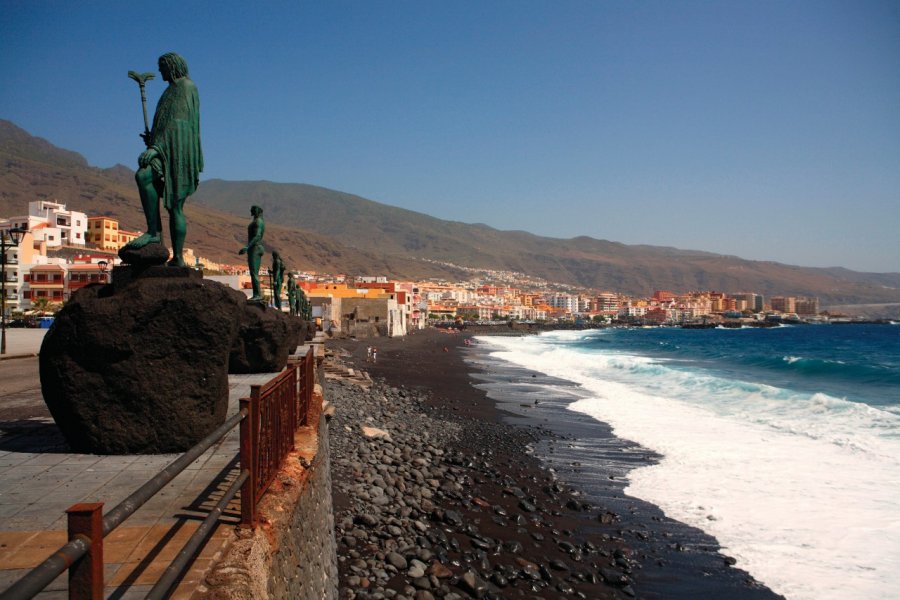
point(40, 479)
point(23, 342)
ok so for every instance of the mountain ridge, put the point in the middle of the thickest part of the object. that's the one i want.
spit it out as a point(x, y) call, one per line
point(315, 228)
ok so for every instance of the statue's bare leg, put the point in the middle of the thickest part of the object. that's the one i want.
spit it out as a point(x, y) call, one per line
point(177, 231)
point(149, 189)
point(254, 258)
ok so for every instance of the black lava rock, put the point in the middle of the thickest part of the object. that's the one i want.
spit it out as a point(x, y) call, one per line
point(142, 368)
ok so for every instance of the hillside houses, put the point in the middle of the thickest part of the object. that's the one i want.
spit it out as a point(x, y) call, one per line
point(64, 250)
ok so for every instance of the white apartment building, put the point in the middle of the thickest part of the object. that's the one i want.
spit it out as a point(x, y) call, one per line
point(632, 311)
point(52, 224)
point(566, 302)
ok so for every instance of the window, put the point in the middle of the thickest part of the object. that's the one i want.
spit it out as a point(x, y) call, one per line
point(27, 294)
point(78, 236)
point(57, 294)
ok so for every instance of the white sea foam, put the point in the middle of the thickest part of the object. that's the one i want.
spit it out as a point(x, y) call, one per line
point(800, 488)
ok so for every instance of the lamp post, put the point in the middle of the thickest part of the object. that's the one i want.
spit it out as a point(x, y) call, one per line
point(6, 241)
point(104, 265)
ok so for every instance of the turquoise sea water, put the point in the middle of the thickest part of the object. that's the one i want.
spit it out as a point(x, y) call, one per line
point(783, 443)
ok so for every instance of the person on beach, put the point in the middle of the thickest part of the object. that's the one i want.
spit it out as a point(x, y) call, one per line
point(368, 353)
point(374, 354)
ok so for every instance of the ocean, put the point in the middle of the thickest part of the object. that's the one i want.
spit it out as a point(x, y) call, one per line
point(783, 443)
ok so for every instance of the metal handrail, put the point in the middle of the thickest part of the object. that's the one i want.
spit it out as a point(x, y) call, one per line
point(80, 544)
point(129, 505)
point(172, 572)
point(42, 575)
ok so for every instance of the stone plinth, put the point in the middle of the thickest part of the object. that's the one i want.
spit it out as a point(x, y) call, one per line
point(141, 367)
point(266, 337)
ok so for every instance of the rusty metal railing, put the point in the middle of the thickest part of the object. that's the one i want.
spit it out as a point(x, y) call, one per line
point(268, 420)
point(306, 374)
point(267, 436)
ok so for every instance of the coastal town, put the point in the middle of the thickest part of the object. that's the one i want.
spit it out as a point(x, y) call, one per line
point(57, 250)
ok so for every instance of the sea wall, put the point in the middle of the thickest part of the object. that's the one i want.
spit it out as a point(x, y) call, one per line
point(292, 552)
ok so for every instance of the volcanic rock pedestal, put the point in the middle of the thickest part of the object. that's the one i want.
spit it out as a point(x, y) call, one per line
point(265, 338)
point(141, 366)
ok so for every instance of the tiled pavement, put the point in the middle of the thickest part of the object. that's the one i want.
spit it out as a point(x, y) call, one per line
point(39, 481)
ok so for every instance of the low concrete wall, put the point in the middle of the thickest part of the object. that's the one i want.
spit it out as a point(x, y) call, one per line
point(292, 553)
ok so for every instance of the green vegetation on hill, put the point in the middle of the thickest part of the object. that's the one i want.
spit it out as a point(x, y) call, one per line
point(325, 230)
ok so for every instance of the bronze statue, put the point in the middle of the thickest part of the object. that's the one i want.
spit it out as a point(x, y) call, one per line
point(277, 278)
point(304, 306)
point(254, 250)
point(292, 294)
point(169, 169)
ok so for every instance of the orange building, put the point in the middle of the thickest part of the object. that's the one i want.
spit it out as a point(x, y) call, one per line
point(46, 281)
point(81, 275)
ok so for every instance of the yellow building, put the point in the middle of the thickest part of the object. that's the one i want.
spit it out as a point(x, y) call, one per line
point(103, 232)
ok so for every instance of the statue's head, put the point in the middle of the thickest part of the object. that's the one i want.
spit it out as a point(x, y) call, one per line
point(256, 211)
point(275, 255)
point(172, 66)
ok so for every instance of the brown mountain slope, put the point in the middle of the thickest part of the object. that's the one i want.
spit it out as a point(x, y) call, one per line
point(601, 264)
point(33, 169)
point(355, 235)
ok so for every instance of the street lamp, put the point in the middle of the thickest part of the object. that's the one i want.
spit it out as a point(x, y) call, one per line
point(9, 240)
point(104, 265)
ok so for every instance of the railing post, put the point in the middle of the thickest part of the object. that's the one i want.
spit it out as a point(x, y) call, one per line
point(249, 427)
point(295, 412)
point(86, 573)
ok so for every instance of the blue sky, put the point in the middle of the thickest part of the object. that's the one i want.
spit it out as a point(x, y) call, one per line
point(766, 130)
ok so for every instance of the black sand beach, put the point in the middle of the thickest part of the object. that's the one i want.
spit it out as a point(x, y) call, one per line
point(522, 498)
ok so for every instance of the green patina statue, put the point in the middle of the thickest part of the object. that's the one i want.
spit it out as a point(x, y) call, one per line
point(304, 307)
point(292, 294)
point(277, 278)
point(254, 250)
point(169, 169)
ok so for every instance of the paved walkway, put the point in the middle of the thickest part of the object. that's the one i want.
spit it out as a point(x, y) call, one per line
point(23, 341)
point(39, 480)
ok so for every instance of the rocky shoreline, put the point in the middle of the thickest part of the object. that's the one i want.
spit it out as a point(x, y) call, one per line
point(439, 491)
point(431, 506)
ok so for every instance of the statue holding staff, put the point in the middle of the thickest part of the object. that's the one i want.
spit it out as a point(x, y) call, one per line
point(277, 278)
point(169, 169)
point(254, 250)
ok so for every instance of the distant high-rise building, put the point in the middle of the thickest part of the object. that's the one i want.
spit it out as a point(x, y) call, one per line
point(807, 306)
point(784, 304)
point(751, 301)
